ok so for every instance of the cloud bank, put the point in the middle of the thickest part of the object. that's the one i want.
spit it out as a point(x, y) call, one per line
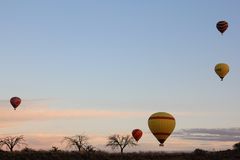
point(220, 134)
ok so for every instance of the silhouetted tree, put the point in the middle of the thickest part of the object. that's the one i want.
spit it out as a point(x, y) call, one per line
point(117, 141)
point(55, 149)
point(79, 142)
point(236, 146)
point(26, 149)
point(11, 141)
point(89, 148)
point(199, 151)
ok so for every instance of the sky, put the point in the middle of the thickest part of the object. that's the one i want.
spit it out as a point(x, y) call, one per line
point(103, 67)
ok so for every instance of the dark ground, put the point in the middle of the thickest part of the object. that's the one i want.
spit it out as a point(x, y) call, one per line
point(198, 154)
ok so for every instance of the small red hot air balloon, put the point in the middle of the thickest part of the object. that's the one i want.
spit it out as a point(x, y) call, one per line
point(15, 102)
point(137, 134)
point(222, 26)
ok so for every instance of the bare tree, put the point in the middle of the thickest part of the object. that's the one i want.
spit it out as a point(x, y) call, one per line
point(79, 141)
point(12, 141)
point(117, 141)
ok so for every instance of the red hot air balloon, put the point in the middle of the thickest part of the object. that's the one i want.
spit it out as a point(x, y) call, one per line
point(222, 26)
point(137, 134)
point(15, 102)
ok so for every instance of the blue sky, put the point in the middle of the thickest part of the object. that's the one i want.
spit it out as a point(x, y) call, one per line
point(122, 57)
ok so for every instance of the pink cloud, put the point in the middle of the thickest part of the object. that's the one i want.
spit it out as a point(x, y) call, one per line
point(49, 114)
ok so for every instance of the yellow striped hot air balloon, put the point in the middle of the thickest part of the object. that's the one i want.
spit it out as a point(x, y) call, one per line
point(222, 70)
point(161, 125)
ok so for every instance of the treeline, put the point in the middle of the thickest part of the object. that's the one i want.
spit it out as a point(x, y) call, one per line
point(198, 154)
point(77, 142)
point(82, 150)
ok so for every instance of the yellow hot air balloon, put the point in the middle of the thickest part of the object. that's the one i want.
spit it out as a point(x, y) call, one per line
point(221, 69)
point(161, 125)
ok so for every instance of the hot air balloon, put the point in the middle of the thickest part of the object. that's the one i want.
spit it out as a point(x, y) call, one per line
point(161, 125)
point(137, 134)
point(222, 26)
point(15, 102)
point(221, 69)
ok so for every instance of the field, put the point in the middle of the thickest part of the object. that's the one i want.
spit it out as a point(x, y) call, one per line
point(99, 155)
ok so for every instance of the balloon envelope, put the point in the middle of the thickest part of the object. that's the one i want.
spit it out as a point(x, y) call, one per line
point(15, 102)
point(221, 70)
point(137, 134)
point(161, 125)
point(222, 26)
